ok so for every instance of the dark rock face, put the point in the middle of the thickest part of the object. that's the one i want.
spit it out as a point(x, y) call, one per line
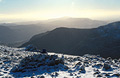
point(104, 40)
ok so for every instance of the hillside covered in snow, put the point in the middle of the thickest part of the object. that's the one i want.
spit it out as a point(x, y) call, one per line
point(18, 63)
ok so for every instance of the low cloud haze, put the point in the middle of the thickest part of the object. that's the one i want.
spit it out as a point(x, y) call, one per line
point(30, 10)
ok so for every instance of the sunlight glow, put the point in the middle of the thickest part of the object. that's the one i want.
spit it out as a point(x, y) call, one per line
point(42, 10)
point(53, 14)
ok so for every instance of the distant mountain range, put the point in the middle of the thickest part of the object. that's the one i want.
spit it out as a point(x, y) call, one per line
point(7, 35)
point(104, 40)
point(17, 33)
point(74, 22)
point(68, 22)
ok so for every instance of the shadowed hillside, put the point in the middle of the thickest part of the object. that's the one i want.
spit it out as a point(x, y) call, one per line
point(23, 31)
point(104, 40)
point(7, 35)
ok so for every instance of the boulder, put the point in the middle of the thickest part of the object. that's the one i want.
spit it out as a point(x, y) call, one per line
point(107, 67)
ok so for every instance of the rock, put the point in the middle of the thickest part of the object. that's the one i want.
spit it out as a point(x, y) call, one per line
point(66, 67)
point(42, 77)
point(38, 60)
point(40, 65)
point(115, 60)
point(79, 63)
point(107, 67)
point(1, 74)
point(97, 66)
point(65, 77)
point(69, 70)
point(96, 70)
point(52, 75)
point(99, 75)
point(5, 72)
point(86, 62)
point(82, 69)
point(54, 57)
point(59, 61)
point(51, 63)
point(96, 73)
point(1, 63)
point(33, 77)
point(56, 74)
point(5, 50)
point(78, 77)
point(116, 75)
point(71, 74)
point(109, 58)
point(107, 75)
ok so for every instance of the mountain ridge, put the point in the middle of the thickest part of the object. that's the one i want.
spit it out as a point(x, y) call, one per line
point(23, 31)
point(80, 41)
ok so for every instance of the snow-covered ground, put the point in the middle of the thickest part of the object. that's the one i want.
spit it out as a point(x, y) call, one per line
point(17, 63)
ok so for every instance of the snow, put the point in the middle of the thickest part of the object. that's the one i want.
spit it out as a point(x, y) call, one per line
point(54, 65)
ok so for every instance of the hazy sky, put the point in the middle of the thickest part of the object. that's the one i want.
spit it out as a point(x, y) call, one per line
point(46, 9)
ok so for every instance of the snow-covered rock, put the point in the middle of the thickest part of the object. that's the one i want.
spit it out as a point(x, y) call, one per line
point(17, 63)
